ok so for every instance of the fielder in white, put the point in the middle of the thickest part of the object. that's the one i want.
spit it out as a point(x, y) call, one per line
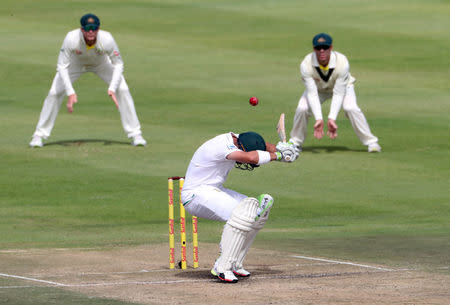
point(326, 74)
point(204, 195)
point(88, 49)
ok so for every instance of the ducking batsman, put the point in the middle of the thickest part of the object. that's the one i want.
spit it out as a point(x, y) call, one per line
point(204, 195)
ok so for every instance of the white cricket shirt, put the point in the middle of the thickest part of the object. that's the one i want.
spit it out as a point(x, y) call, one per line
point(75, 54)
point(209, 165)
point(336, 83)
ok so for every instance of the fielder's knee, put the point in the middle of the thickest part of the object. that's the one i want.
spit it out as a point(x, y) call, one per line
point(349, 109)
point(302, 109)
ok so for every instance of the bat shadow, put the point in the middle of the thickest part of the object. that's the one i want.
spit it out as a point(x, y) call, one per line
point(79, 142)
point(329, 149)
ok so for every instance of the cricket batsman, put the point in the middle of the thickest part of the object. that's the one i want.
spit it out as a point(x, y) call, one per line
point(88, 49)
point(204, 195)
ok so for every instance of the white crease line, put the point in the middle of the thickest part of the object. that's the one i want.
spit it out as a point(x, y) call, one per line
point(9, 287)
point(443, 268)
point(137, 283)
point(13, 251)
point(38, 251)
point(113, 273)
point(31, 279)
point(341, 263)
point(94, 273)
point(314, 275)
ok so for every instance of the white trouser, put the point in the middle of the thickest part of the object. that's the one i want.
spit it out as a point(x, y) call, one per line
point(56, 94)
point(210, 202)
point(351, 109)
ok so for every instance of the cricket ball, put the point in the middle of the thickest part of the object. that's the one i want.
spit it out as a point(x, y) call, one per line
point(253, 101)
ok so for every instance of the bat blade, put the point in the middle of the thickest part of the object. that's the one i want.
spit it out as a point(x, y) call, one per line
point(280, 129)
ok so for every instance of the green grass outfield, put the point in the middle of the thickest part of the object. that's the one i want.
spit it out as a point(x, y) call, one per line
point(191, 67)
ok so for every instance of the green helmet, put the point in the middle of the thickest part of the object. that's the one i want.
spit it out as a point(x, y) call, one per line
point(250, 140)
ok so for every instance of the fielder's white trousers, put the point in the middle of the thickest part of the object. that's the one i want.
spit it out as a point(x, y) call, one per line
point(351, 109)
point(52, 103)
point(211, 202)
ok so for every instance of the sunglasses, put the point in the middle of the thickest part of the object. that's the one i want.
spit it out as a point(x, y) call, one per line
point(318, 48)
point(90, 27)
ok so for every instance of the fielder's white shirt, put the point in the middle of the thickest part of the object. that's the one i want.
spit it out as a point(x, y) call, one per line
point(76, 54)
point(334, 84)
point(209, 165)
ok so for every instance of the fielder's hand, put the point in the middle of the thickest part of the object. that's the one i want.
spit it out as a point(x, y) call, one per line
point(72, 99)
point(332, 129)
point(113, 97)
point(318, 129)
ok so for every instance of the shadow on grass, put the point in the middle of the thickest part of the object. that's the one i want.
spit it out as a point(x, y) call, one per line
point(80, 142)
point(329, 149)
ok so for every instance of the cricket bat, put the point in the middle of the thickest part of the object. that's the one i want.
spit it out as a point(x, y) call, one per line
point(282, 133)
point(280, 129)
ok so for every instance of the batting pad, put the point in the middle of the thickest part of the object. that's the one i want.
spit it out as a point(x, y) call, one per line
point(250, 237)
point(235, 233)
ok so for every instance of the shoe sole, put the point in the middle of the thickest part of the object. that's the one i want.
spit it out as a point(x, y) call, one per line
point(241, 275)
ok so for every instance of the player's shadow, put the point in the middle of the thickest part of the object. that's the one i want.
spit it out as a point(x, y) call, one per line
point(329, 149)
point(195, 274)
point(79, 142)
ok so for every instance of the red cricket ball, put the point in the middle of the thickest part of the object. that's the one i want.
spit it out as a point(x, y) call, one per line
point(253, 101)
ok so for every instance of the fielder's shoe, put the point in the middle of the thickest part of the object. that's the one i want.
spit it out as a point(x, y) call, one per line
point(139, 141)
point(265, 203)
point(36, 142)
point(374, 147)
point(241, 272)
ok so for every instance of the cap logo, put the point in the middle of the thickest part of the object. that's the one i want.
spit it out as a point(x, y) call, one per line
point(91, 20)
point(321, 39)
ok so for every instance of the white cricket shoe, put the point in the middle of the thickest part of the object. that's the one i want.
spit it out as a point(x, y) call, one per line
point(226, 277)
point(139, 141)
point(241, 272)
point(374, 147)
point(36, 141)
point(214, 272)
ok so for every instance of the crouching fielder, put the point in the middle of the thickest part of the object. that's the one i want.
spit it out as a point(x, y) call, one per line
point(88, 49)
point(205, 196)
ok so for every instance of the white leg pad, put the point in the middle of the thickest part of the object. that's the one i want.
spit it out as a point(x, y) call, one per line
point(235, 233)
point(258, 225)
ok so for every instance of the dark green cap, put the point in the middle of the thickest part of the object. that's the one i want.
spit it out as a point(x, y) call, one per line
point(251, 141)
point(322, 39)
point(90, 22)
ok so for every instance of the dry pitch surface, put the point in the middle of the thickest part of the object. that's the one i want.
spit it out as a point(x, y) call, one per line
point(141, 275)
